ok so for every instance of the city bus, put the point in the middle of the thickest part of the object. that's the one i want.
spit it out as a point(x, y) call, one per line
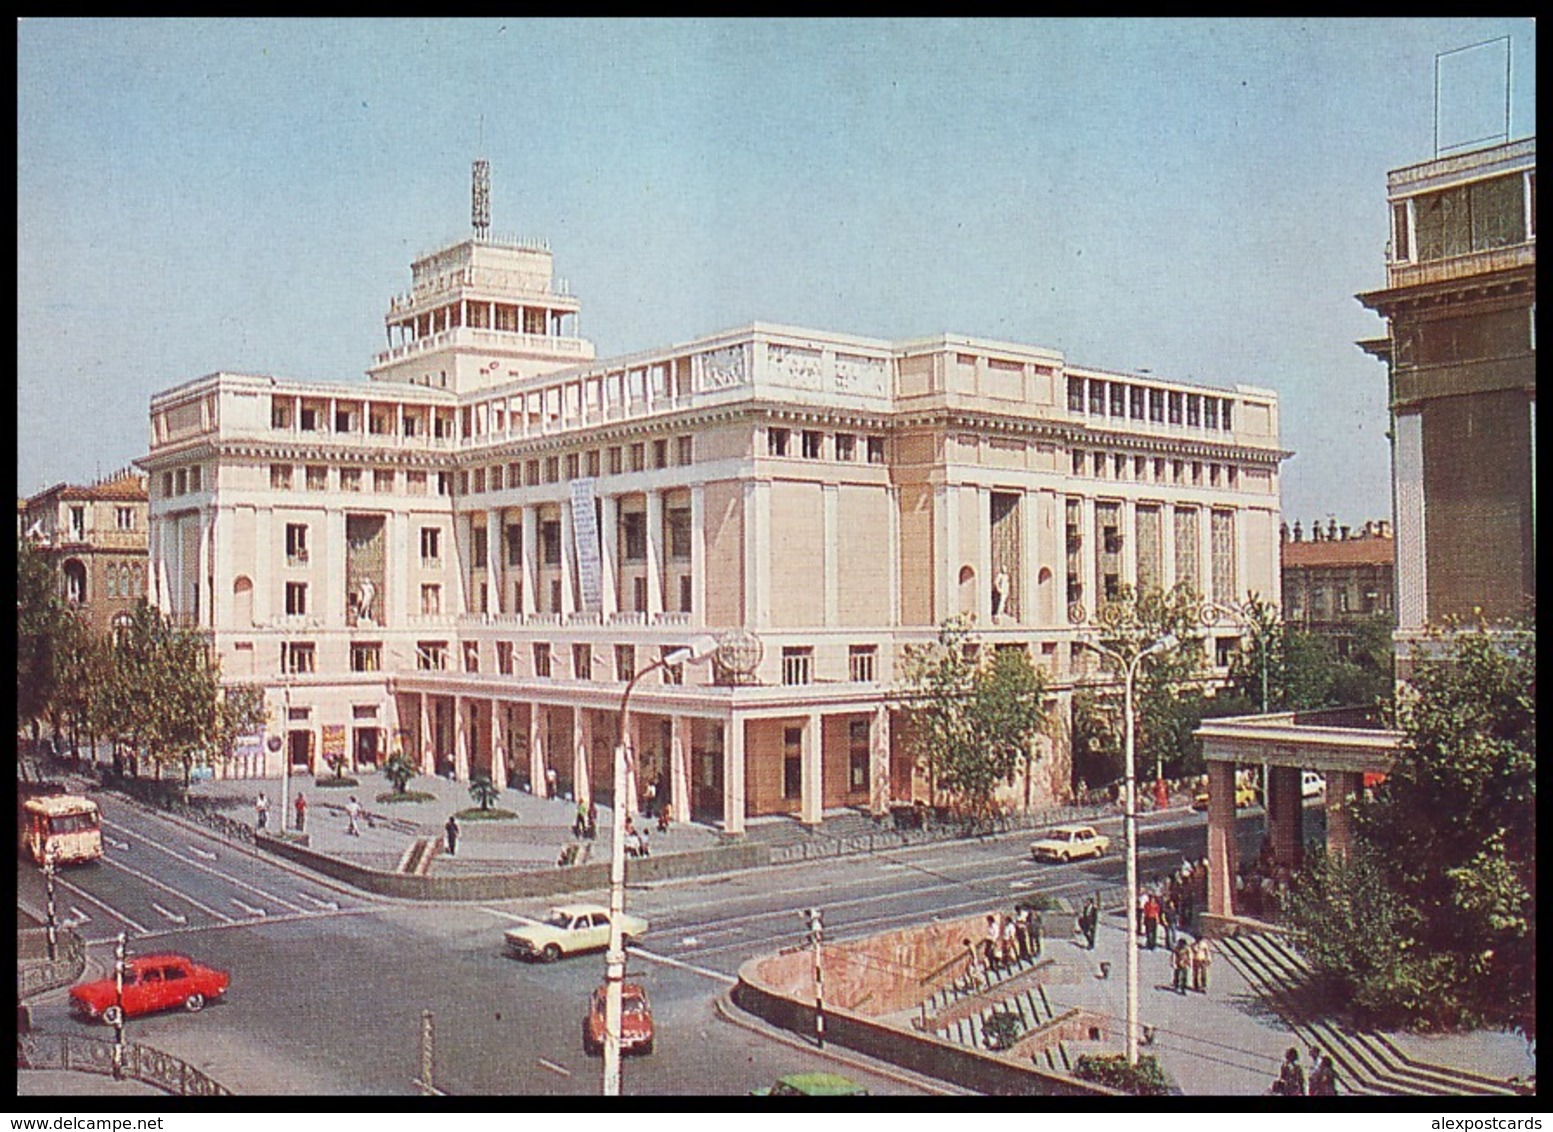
point(64, 826)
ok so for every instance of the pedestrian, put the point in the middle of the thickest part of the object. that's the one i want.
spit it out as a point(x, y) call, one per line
point(1183, 966)
point(301, 807)
point(353, 817)
point(550, 781)
point(261, 810)
point(580, 822)
point(645, 839)
point(648, 810)
point(1089, 921)
point(1202, 956)
point(1291, 1078)
point(665, 816)
point(1022, 932)
point(989, 945)
point(1168, 918)
point(592, 832)
point(1150, 921)
point(1037, 926)
point(973, 967)
point(1010, 942)
point(451, 829)
point(1323, 1076)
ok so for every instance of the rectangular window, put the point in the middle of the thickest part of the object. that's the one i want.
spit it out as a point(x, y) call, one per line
point(876, 449)
point(309, 420)
point(296, 657)
point(478, 481)
point(431, 599)
point(638, 456)
point(582, 662)
point(126, 518)
point(1078, 462)
point(542, 660)
point(1096, 398)
point(1193, 410)
point(296, 599)
point(280, 477)
point(550, 542)
point(625, 662)
point(593, 462)
point(859, 756)
point(552, 469)
point(504, 657)
point(415, 483)
point(317, 478)
point(412, 426)
point(813, 444)
point(776, 441)
point(1223, 548)
point(280, 414)
point(1401, 246)
point(687, 451)
point(672, 673)
point(1210, 412)
point(495, 477)
point(1118, 466)
point(684, 593)
point(1098, 465)
point(1157, 405)
point(531, 473)
point(514, 544)
point(797, 665)
point(1224, 416)
point(1175, 408)
point(846, 447)
point(431, 546)
point(296, 544)
point(1224, 649)
point(660, 454)
point(1135, 398)
point(444, 483)
point(792, 762)
point(478, 547)
point(431, 656)
point(633, 535)
point(383, 480)
point(1197, 472)
point(1118, 399)
point(350, 479)
point(860, 663)
point(366, 657)
point(342, 420)
point(471, 656)
point(677, 519)
point(614, 461)
point(1075, 394)
point(463, 483)
point(573, 465)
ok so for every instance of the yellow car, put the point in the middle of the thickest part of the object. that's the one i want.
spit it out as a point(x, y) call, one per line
point(1244, 796)
point(569, 929)
point(1070, 842)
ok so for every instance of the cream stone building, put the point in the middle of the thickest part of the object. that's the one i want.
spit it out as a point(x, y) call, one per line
point(468, 555)
point(95, 537)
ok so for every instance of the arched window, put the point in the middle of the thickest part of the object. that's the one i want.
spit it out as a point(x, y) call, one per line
point(75, 581)
point(113, 582)
point(121, 624)
point(124, 580)
point(140, 581)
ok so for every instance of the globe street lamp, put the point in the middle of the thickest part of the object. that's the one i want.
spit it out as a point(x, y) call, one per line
point(699, 649)
point(1129, 665)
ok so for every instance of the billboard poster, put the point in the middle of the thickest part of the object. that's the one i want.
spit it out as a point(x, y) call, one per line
point(585, 532)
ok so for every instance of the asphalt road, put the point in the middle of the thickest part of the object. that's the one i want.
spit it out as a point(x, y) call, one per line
point(329, 985)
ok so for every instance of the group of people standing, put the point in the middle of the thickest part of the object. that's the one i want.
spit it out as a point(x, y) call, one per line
point(1291, 1076)
point(1010, 938)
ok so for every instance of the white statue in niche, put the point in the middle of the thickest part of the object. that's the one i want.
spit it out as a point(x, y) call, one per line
point(1000, 585)
point(364, 597)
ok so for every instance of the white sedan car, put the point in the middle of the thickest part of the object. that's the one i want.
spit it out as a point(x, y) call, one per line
point(1070, 842)
point(569, 929)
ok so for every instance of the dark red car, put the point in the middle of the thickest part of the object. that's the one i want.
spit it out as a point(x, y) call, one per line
point(151, 983)
point(636, 1029)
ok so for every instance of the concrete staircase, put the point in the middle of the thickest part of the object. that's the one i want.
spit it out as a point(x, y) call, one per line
point(1366, 1062)
point(967, 1027)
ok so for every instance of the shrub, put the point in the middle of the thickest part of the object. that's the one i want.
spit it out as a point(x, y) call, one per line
point(338, 782)
point(1146, 1079)
point(399, 770)
point(1001, 1030)
point(393, 796)
point(485, 815)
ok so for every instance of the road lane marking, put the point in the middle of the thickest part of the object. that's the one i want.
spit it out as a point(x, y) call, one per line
point(195, 929)
point(106, 907)
point(655, 957)
point(331, 905)
point(255, 889)
point(154, 883)
point(77, 917)
point(175, 917)
point(497, 912)
point(202, 853)
point(121, 846)
point(554, 1068)
point(249, 908)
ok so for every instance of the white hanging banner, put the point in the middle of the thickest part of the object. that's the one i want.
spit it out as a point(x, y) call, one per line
point(585, 533)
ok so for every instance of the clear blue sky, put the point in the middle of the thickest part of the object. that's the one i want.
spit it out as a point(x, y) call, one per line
point(1199, 198)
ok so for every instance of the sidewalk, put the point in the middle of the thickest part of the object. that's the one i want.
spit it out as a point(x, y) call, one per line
point(65, 1083)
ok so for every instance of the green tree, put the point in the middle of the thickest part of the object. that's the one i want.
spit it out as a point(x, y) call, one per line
point(81, 656)
point(38, 617)
point(974, 715)
point(483, 791)
point(400, 770)
point(1452, 831)
point(1095, 739)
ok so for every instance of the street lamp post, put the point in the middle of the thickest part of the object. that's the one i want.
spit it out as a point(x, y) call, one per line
point(52, 923)
point(699, 648)
point(1129, 666)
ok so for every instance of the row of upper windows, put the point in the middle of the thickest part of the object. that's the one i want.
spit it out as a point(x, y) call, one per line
point(811, 445)
point(181, 481)
point(320, 477)
point(380, 420)
point(1153, 469)
point(1126, 401)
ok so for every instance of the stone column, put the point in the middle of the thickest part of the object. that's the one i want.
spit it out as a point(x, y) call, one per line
point(1343, 790)
point(568, 598)
point(498, 746)
point(538, 725)
point(428, 753)
point(733, 775)
point(633, 742)
point(757, 553)
point(582, 749)
point(654, 553)
point(495, 576)
point(329, 557)
point(1167, 547)
point(697, 556)
point(1130, 542)
point(879, 760)
point(812, 800)
point(530, 574)
point(1285, 815)
point(1205, 551)
point(830, 517)
point(982, 527)
point(946, 541)
point(893, 535)
point(1223, 859)
point(679, 768)
point(609, 558)
point(460, 740)
point(1087, 555)
point(206, 604)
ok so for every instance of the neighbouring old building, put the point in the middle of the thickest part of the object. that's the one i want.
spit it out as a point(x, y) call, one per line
point(95, 538)
point(469, 554)
point(1337, 579)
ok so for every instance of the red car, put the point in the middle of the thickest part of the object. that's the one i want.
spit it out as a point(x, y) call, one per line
point(151, 983)
point(636, 1031)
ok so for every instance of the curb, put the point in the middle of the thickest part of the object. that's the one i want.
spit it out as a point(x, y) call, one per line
point(729, 1012)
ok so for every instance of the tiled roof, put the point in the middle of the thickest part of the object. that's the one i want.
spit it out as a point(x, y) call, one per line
point(1371, 551)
